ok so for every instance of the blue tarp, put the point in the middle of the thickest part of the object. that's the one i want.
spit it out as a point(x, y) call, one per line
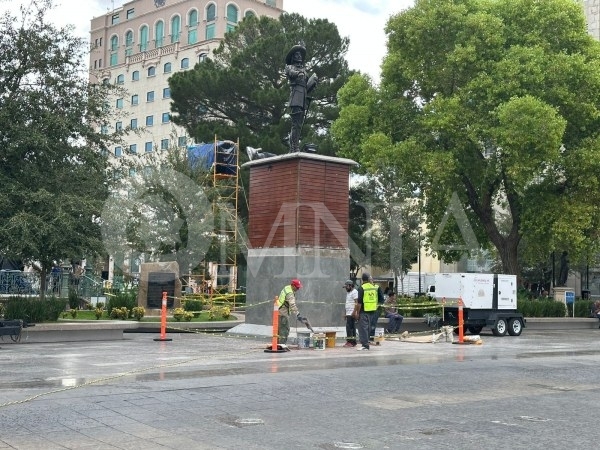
point(203, 155)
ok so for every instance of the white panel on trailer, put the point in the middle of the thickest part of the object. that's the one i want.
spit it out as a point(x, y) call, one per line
point(507, 292)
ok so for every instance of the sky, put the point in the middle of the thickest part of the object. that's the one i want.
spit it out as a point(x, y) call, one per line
point(363, 21)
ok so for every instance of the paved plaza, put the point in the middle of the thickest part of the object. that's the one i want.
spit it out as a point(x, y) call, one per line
point(216, 391)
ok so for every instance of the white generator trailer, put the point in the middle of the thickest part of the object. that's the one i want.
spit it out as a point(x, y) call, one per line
point(489, 300)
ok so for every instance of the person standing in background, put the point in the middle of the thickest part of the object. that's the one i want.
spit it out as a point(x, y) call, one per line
point(351, 315)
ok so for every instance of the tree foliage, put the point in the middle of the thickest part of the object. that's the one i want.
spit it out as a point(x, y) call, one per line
point(489, 108)
point(53, 161)
point(241, 91)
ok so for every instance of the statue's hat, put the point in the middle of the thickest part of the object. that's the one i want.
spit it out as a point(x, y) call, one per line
point(294, 49)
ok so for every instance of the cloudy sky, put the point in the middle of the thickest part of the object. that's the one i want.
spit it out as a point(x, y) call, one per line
point(362, 21)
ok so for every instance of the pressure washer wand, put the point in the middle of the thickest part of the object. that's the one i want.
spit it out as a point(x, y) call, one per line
point(307, 323)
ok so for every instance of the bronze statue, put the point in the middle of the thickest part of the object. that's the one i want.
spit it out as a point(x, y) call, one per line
point(300, 86)
point(563, 274)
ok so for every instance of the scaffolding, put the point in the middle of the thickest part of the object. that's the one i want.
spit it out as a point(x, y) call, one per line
point(218, 279)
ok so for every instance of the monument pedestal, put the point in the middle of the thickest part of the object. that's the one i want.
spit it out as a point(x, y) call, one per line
point(564, 294)
point(298, 228)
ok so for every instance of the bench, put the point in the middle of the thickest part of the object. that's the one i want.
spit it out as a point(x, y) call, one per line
point(11, 328)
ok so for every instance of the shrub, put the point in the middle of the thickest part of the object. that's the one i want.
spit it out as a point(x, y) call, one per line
point(178, 314)
point(193, 304)
point(138, 312)
point(73, 299)
point(98, 312)
point(73, 313)
point(219, 312)
point(125, 299)
point(33, 310)
point(119, 313)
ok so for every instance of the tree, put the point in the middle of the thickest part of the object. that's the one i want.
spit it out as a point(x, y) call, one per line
point(53, 158)
point(489, 108)
point(241, 91)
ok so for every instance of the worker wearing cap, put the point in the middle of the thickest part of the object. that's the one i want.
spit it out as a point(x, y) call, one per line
point(287, 305)
point(366, 306)
point(351, 313)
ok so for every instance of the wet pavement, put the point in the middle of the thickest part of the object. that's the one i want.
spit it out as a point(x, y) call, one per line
point(215, 391)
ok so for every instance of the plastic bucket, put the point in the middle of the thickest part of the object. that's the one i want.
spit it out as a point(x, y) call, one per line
point(303, 339)
point(319, 342)
point(379, 334)
point(330, 336)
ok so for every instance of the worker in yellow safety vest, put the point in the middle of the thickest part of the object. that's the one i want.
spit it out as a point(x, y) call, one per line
point(366, 307)
point(287, 305)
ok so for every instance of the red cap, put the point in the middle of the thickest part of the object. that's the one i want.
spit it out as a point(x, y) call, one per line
point(296, 283)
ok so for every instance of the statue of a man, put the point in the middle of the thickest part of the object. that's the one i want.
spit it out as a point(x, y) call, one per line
point(563, 274)
point(300, 86)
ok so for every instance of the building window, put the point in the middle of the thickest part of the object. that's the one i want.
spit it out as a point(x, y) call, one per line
point(114, 45)
point(192, 36)
point(159, 34)
point(202, 57)
point(164, 144)
point(135, 99)
point(133, 124)
point(166, 117)
point(167, 68)
point(143, 38)
point(249, 14)
point(271, 3)
point(119, 103)
point(210, 31)
point(211, 12)
point(148, 147)
point(135, 75)
point(120, 79)
point(104, 129)
point(150, 96)
point(193, 27)
point(185, 63)
point(175, 29)
point(130, 13)
point(182, 141)
point(149, 121)
point(105, 82)
point(167, 93)
point(151, 71)
point(232, 14)
point(133, 149)
point(128, 43)
point(119, 126)
point(118, 151)
point(115, 19)
point(132, 172)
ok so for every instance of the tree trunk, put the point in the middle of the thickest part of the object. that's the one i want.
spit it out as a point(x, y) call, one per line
point(43, 273)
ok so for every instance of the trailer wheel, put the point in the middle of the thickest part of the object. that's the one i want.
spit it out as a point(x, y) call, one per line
point(515, 327)
point(475, 329)
point(500, 328)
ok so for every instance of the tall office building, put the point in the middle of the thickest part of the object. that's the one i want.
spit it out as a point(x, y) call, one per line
point(591, 9)
point(141, 44)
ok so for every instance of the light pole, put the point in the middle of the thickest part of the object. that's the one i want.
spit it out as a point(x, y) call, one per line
point(419, 260)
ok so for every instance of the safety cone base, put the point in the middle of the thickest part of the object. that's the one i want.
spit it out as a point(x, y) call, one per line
point(279, 349)
point(162, 339)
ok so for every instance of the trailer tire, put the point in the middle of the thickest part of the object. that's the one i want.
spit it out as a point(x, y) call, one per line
point(475, 329)
point(515, 327)
point(500, 328)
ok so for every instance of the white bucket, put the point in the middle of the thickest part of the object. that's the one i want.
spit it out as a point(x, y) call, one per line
point(303, 339)
point(319, 343)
